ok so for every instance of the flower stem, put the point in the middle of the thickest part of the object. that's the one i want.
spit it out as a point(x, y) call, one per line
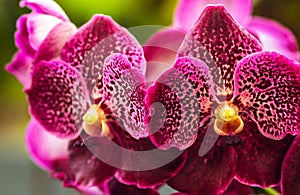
point(271, 191)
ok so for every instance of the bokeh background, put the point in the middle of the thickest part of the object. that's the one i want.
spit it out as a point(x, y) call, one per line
point(17, 174)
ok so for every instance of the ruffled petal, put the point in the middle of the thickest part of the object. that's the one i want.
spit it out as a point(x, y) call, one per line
point(174, 102)
point(188, 11)
point(100, 37)
point(51, 97)
point(291, 170)
point(124, 94)
point(116, 188)
point(267, 87)
point(85, 169)
point(146, 154)
point(39, 25)
point(44, 148)
point(274, 36)
point(20, 67)
point(259, 158)
point(161, 50)
point(22, 36)
point(48, 7)
point(220, 42)
point(209, 174)
point(52, 45)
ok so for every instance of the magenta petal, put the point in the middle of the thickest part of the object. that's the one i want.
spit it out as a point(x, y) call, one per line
point(188, 11)
point(124, 94)
point(209, 174)
point(174, 102)
point(20, 67)
point(44, 148)
point(48, 7)
point(236, 188)
point(154, 177)
point(22, 36)
point(116, 188)
point(220, 42)
point(267, 87)
point(161, 50)
point(259, 158)
point(51, 95)
point(274, 36)
point(52, 45)
point(39, 25)
point(100, 37)
point(291, 169)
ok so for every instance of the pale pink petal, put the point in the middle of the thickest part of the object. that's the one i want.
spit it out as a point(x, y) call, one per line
point(48, 7)
point(274, 36)
point(20, 68)
point(188, 11)
point(39, 25)
point(44, 148)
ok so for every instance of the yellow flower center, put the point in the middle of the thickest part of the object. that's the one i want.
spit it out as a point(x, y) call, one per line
point(227, 122)
point(94, 122)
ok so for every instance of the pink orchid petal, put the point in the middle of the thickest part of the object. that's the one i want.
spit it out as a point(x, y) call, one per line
point(43, 147)
point(39, 25)
point(259, 158)
point(124, 94)
point(52, 45)
point(21, 36)
point(220, 42)
point(48, 7)
point(274, 36)
point(267, 87)
point(161, 50)
point(188, 11)
point(291, 169)
point(20, 67)
point(174, 101)
point(52, 98)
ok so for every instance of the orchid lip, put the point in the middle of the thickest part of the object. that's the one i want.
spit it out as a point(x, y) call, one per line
point(94, 122)
point(227, 121)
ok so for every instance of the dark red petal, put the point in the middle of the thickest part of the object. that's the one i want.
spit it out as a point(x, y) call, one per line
point(259, 158)
point(209, 174)
point(52, 45)
point(51, 96)
point(291, 169)
point(179, 102)
point(124, 94)
point(169, 163)
point(267, 87)
point(236, 188)
point(100, 37)
point(220, 42)
point(116, 188)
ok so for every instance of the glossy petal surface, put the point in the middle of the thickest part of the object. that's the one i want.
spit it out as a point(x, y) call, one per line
point(175, 100)
point(267, 85)
point(274, 36)
point(259, 158)
point(291, 169)
point(53, 43)
point(20, 68)
point(48, 7)
point(124, 94)
point(44, 148)
point(188, 11)
point(116, 188)
point(148, 178)
point(51, 95)
point(100, 37)
point(209, 174)
point(220, 42)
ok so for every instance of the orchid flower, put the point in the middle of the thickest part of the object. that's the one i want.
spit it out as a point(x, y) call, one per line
point(163, 45)
point(223, 88)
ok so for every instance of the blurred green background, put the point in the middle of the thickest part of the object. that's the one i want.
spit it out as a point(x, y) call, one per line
point(17, 174)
